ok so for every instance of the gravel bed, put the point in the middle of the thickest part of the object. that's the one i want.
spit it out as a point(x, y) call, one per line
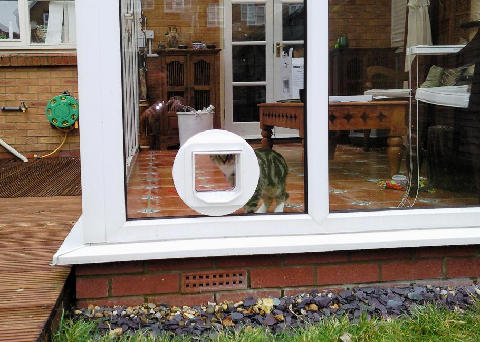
point(277, 313)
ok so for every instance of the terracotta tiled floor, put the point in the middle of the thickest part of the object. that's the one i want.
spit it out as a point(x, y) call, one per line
point(354, 175)
point(151, 192)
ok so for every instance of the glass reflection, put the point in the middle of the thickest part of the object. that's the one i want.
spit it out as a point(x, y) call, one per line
point(395, 141)
point(192, 76)
point(248, 22)
point(9, 25)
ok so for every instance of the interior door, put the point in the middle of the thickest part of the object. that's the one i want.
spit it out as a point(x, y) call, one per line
point(258, 38)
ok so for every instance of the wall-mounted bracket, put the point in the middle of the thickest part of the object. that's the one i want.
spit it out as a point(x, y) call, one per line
point(22, 108)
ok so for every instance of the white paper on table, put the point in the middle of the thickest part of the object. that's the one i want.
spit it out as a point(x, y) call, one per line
point(286, 75)
point(354, 98)
point(55, 21)
point(298, 72)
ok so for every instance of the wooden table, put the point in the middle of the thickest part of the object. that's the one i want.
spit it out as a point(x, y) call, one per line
point(389, 115)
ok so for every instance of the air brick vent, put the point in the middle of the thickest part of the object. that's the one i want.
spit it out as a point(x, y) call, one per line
point(214, 281)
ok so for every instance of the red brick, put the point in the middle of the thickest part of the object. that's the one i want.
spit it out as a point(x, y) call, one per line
point(92, 287)
point(464, 267)
point(238, 296)
point(248, 261)
point(350, 273)
point(315, 258)
point(145, 284)
point(381, 254)
point(279, 277)
point(446, 251)
point(129, 301)
point(180, 300)
point(109, 268)
point(421, 269)
point(178, 264)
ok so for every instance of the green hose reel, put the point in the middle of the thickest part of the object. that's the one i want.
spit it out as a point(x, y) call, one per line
point(62, 110)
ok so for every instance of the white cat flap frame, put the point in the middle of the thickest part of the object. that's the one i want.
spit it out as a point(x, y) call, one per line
point(216, 142)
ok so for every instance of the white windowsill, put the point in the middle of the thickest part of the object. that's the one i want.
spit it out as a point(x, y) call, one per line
point(37, 49)
point(434, 49)
point(73, 252)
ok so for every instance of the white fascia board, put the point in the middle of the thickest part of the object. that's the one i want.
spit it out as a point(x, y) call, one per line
point(74, 252)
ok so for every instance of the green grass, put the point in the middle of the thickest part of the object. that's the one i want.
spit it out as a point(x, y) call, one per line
point(425, 324)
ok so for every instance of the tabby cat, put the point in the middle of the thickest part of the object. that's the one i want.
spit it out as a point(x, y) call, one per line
point(271, 183)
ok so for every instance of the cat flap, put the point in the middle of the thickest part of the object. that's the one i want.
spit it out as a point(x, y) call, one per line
point(234, 164)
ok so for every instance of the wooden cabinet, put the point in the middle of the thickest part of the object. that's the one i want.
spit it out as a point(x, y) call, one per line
point(348, 68)
point(191, 74)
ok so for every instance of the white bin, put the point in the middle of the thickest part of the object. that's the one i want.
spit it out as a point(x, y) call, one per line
point(191, 123)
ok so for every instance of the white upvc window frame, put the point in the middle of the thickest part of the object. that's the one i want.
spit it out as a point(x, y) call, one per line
point(103, 233)
point(24, 43)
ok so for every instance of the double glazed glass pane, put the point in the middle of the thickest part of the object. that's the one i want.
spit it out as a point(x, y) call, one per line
point(293, 21)
point(395, 141)
point(237, 78)
point(248, 22)
point(9, 20)
point(249, 63)
point(52, 22)
point(245, 100)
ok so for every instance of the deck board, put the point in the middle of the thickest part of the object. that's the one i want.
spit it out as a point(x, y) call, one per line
point(31, 230)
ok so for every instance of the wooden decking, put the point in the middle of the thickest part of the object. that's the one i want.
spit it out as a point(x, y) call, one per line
point(31, 230)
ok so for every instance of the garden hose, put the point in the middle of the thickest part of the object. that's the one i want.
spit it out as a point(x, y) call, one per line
point(55, 150)
point(62, 113)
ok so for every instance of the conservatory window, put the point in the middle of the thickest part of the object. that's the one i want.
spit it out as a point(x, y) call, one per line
point(261, 86)
point(402, 119)
point(52, 22)
point(181, 95)
point(30, 24)
point(9, 20)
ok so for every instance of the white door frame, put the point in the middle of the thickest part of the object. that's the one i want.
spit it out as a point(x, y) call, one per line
point(248, 130)
point(278, 38)
point(273, 34)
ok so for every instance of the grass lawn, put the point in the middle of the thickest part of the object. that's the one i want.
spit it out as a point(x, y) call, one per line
point(424, 324)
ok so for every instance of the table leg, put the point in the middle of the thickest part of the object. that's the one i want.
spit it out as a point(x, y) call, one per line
point(267, 141)
point(394, 153)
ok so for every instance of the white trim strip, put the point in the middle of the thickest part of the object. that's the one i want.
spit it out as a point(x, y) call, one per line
point(293, 42)
point(248, 43)
point(249, 84)
point(264, 245)
point(240, 2)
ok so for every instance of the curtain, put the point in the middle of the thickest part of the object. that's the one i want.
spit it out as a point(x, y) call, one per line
point(55, 23)
point(399, 16)
point(475, 10)
point(419, 32)
point(69, 22)
point(61, 22)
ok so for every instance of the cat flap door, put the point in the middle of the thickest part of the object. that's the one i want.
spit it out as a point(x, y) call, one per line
point(215, 172)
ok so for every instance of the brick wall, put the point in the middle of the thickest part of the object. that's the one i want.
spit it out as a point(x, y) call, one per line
point(34, 79)
point(191, 22)
point(165, 281)
point(367, 23)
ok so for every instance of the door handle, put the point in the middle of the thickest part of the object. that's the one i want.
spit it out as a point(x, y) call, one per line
point(278, 49)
